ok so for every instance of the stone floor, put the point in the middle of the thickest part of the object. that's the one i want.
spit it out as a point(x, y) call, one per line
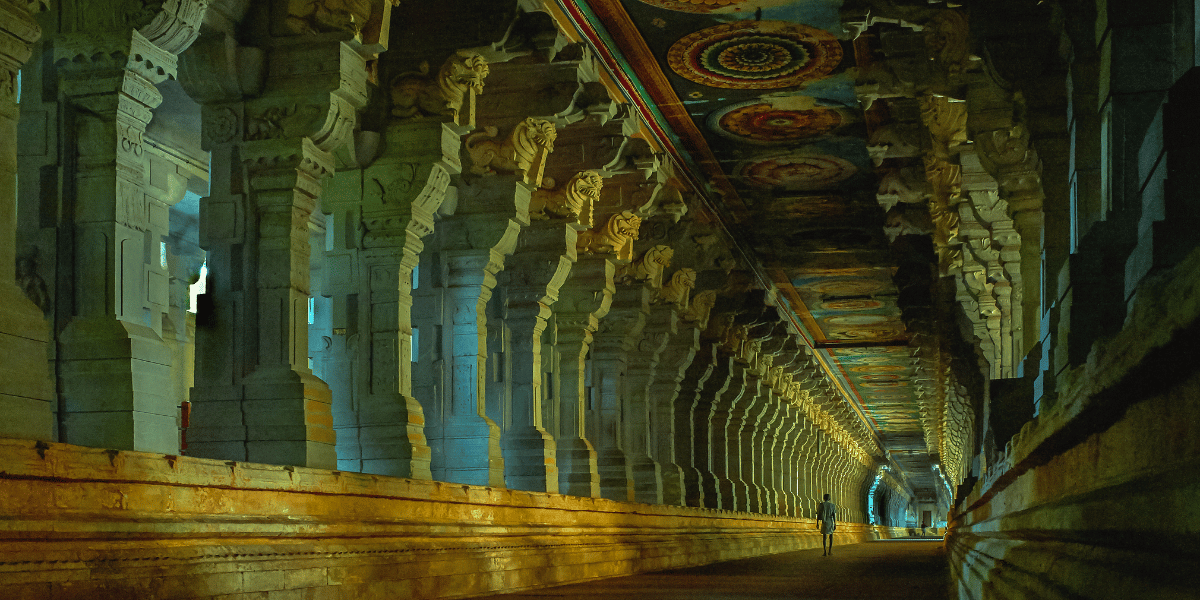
point(883, 570)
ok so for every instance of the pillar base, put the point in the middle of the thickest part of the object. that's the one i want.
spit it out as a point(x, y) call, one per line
point(391, 437)
point(616, 480)
point(116, 387)
point(26, 393)
point(530, 461)
point(647, 481)
point(278, 416)
point(577, 470)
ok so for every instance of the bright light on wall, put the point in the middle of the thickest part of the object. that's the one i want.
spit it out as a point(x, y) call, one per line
point(199, 287)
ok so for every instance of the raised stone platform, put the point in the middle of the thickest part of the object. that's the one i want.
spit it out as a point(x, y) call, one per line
point(97, 524)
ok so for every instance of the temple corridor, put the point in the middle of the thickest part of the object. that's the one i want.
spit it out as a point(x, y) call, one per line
point(431, 299)
point(880, 570)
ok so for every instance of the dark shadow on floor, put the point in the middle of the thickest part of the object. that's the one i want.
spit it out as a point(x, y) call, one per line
point(884, 570)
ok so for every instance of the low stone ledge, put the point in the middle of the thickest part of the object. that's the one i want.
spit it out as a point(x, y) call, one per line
point(92, 523)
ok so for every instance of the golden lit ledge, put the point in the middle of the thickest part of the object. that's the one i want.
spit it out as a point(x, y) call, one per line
point(76, 516)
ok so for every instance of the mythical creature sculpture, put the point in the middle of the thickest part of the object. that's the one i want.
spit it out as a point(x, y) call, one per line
point(417, 94)
point(678, 290)
point(525, 151)
point(615, 238)
point(323, 16)
point(700, 308)
point(650, 266)
point(576, 198)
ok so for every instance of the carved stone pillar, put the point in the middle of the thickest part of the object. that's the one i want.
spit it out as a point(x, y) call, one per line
point(474, 244)
point(26, 391)
point(712, 416)
point(381, 214)
point(753, 408)
point(727, 426)
point(584, 301)
point(663, 398)
point(538, 269)
point(256, 398)
point(619, 334)
point(639, 422)
point(693, 416)
point(108, 65)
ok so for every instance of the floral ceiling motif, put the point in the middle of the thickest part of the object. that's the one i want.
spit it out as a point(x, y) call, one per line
point(755, 55)
point(760, 122)
point(798, 172)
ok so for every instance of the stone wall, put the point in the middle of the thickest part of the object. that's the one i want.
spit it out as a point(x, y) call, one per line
point(96, 524)
point(1096, 496)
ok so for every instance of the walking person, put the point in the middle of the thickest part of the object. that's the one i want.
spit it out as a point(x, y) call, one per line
point(827, 515)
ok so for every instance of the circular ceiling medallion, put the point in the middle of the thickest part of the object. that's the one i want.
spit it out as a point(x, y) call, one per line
point(853, 304)
point(798, 172)
point(876, 368)
point(844, 287)
point(856, 319)
point(759, 122)
point(755, 55)
point(884, 384)
point(694, 6)
point(881, 377)
point(865, 333)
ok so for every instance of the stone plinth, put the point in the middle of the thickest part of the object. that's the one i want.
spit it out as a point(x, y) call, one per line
point(181, 527)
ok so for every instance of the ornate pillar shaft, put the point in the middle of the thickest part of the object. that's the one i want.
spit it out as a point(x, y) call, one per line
point(754, 406)
point(26, 391)
point(475, 243)
point(732, 487)
point(542, 263)
point(638, 411)
point(618, 335)
point(664, 396)
point(585, 300)
point(693, 417)
point(117, 222)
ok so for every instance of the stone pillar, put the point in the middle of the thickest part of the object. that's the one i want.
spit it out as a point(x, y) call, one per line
point(26, 391)
point(754, 404)
point(382, 214)
point(619, 333)
point(119, 289)
point(693, 418)
point(769, 480)
point(712, 416)
point(545, 254)
point(728, 425)
point(475, 242)
point(663, 397)
point(640, 426)
point(584, 301)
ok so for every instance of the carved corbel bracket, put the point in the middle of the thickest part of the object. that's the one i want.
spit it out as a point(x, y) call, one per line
point(524, 151)
point(575, 200)
point(649, 268)
point(459, 81)
point(616, 237)
point(678, 290)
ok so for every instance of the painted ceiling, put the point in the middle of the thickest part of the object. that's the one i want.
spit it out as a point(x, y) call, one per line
point(759, 99)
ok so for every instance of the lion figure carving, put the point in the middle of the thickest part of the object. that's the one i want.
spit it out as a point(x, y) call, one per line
point(615, 238)
point(573, 201)
point(416, 94)
point(678, 290)
point(524, 151)
point(651, 265)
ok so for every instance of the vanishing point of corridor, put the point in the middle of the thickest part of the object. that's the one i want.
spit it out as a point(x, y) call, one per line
point(880, 570)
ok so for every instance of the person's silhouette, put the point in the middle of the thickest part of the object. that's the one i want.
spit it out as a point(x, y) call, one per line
point(827, 515)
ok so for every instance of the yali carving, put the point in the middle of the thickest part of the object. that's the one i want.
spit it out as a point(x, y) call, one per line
point(615, 238)
point(525, 151)
point(573, 201)
point(459, 81)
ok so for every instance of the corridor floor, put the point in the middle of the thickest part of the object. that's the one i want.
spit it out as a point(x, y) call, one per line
point(883, 570)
